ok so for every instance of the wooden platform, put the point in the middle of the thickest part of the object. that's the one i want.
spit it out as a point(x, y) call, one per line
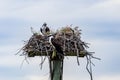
point(33, 54)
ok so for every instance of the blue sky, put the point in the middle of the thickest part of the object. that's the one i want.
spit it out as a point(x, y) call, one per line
point(98, 19)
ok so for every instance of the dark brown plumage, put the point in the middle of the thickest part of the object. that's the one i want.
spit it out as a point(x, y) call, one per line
point(45, 29)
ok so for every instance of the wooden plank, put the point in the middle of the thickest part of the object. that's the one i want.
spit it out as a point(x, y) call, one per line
point(33, 54)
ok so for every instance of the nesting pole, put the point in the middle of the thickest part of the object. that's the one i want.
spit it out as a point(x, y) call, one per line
point(64, 42)
point(56, 69)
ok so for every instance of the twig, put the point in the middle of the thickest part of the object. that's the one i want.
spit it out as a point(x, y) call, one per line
point(77, 52)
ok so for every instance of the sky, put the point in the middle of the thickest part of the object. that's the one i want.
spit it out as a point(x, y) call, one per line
point(98, 19)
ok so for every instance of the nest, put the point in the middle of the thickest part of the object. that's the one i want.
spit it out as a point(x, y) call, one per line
point(67, 38)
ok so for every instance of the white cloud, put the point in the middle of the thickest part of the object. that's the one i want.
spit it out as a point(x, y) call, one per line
point(108, 9)
point(104, 77)
point(109, 77)
point(37, 77)
point(57, 11)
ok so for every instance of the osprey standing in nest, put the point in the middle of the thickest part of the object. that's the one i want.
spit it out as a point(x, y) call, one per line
point(45, 29)
point(56, 42)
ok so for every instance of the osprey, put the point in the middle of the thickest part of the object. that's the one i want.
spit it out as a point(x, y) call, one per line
point(57, 44)
point(45, 29)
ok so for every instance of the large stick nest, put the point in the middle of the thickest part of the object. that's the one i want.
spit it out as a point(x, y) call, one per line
point(67, 38)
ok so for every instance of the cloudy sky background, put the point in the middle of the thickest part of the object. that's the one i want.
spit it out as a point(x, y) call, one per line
point(98, 19)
